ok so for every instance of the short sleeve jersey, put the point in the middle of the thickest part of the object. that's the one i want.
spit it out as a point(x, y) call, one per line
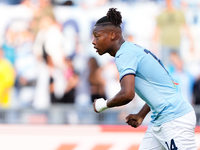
point(152, 83)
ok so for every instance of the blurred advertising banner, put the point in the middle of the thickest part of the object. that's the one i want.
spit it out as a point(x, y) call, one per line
point(73, 137)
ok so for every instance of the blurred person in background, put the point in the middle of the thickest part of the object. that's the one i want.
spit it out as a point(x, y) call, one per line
point(70, 78)
point(25, 63)
point(50, 83)
point(43, 8)
point(55, 87)
point(23, 11)
point(192, 59)
point(185, 79)
point(61, 80)
point(8, 45)
point(168, 32)
point(96, 80)
point(72, 81)
point(50, 38)
point(7, 79)
point(57, 81)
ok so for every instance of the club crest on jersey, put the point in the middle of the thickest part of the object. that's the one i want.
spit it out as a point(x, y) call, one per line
point(175, 83)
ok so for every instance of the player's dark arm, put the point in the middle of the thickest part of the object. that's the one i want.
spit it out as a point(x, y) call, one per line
point(144, 111)
point(126, 94)
point(135, 120)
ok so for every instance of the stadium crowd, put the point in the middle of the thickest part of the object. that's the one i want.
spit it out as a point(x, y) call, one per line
point(48, 75)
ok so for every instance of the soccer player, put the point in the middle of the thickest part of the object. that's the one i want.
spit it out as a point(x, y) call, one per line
point(173, 118)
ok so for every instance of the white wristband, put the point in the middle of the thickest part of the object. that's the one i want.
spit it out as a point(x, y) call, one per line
point(101, 104)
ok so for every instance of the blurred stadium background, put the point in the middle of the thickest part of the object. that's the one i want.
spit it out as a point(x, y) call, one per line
point(50, 72)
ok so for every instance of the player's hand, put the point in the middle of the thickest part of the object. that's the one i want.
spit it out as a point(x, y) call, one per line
point(100, 105)
point(134, 120)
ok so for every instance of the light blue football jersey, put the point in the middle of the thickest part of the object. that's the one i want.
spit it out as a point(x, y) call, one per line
point(152, 83)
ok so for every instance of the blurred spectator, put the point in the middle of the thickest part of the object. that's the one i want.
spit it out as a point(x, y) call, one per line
point(50, 85)
point(51, 39)
point(170, 22)
point(71, 83)
point(25, 65)
point(43, 9)
point(96, 80)
point(58, 85)
point(57, 82)
point(23, 11)
point(8, 45)
point(185, 79)
point(7, 78)
point(196, 92)
point(192, 60)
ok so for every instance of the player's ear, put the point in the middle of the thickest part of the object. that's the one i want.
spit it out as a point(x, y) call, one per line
point(112, 35)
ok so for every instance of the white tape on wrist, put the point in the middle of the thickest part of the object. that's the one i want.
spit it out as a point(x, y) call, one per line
point(101, 104)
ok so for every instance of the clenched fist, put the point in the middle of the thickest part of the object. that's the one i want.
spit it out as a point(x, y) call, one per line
point(134, 120)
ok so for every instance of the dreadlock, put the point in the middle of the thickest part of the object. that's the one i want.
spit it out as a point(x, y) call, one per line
point(113, 17)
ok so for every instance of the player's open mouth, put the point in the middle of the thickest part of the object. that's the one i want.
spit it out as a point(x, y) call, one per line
point(96, 49)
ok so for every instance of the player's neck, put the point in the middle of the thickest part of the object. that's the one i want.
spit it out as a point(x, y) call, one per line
point(116, 46)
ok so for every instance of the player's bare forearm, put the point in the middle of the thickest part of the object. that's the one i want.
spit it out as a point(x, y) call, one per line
point(144, 111)
point(126, 94)
point(119, 99)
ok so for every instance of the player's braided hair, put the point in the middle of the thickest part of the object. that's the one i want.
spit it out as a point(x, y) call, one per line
point(113, 17)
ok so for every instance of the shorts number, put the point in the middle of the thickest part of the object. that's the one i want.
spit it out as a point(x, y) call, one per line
point(172, 145)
